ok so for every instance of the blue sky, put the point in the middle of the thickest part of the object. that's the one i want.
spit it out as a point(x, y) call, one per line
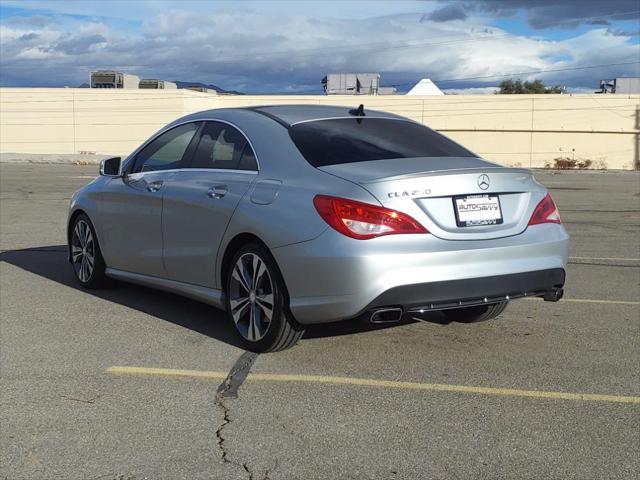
point(288, 46)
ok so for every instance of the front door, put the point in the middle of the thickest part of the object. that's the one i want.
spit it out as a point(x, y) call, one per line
point(200, 202)
point(131, 206)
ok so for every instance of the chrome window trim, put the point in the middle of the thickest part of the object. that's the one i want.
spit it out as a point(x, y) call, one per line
point(174, 170)
point(172, 126)
point(219, 170)
point(137, 175)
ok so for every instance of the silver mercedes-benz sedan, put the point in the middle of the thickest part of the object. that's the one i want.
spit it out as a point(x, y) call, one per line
point(292, 215)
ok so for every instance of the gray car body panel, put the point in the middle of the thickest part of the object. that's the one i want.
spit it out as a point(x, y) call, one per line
point(176, 239)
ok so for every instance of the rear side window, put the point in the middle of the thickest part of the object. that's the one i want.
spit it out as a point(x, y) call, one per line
point(248, 159)
point(347, 140)
point(222, 146)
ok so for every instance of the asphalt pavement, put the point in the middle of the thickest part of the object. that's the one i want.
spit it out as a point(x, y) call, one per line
point(130, 383)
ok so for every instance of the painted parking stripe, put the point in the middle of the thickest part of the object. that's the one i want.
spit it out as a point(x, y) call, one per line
point(606, 302)
point(390, 384)
point(613, 259)
point(590, 300)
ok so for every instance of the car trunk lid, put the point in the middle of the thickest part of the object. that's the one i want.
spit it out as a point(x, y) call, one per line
point(438, 191)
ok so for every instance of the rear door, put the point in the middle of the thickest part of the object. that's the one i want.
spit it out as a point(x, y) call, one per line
point(201, 200)
point(131, 206)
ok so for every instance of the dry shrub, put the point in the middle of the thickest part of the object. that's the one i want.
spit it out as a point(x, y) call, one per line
point(566, 163)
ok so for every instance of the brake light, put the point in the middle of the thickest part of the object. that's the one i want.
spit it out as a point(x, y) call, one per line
point(362, 220)
point(545, 212)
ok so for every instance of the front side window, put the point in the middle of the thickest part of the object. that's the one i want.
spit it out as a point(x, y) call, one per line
point(347, 140)
point(166, 151)
point(222, 146)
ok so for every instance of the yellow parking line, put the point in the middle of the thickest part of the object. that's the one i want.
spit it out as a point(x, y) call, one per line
point(613, 259)
point(168, 372)
point(589, 300)
point(366, 382)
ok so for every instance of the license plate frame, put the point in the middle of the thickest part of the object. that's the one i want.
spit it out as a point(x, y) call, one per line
point(491, 199)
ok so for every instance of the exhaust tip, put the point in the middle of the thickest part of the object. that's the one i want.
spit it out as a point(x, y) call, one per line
point(386, 315)
point(553, 295)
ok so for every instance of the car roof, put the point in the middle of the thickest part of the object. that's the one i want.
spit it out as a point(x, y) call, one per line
point(288, 115)
point(292, 114)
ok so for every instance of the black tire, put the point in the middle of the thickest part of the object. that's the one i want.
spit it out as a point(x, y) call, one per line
point(95, 278)
point(279, 332)
point(480, 313)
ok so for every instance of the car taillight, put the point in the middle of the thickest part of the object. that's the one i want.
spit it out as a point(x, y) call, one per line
point(545, 212)
point(362, 220)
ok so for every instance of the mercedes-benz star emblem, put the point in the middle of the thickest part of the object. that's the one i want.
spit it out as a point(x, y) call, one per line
point(483, 181)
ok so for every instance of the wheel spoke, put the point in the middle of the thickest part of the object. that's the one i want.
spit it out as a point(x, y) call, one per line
point(87, 234)
point(87, 271)
point(83, 266)
point(258, 271)
point(239, 276)
point(261, 324)
point(251, 333)
point(89, 263)
point(257, 266)
point(76, 253)
point(83, 234)
point(265, 302)
point(238, 308)
point(265, 298)
point(78, 234)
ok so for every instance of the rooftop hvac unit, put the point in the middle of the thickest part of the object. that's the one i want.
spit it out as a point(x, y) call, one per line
point(149, 83)
point(113, 79)
point(351, 83)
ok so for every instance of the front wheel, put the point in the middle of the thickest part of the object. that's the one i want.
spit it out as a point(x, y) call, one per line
point(86, 257)
point(257, 304)
point(480, 313)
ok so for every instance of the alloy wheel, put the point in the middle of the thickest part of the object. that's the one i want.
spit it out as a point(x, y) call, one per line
point(83, 253)
point(251, 297)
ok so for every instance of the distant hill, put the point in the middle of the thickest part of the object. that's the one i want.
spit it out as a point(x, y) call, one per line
point(209, 86)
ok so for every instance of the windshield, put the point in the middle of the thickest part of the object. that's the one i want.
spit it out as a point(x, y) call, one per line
point(347, 140)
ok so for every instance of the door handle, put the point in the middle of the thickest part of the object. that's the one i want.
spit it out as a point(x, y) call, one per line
point(154, 186)
point(218, 191)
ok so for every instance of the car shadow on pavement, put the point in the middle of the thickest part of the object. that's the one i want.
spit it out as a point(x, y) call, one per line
point(50, 262)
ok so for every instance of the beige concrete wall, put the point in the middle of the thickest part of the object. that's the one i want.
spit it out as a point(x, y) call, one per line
point(520, 130)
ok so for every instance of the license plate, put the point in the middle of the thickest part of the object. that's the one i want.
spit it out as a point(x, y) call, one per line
point(476, 210)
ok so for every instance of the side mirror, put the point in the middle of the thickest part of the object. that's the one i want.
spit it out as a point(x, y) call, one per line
point(110, 167)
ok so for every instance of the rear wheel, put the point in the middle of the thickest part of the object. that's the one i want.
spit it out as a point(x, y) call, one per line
point(86, 257)
point(257, 304)
point(480, 313)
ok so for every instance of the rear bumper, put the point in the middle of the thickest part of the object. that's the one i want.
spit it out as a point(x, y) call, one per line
point(423, 297)
point(334, 277)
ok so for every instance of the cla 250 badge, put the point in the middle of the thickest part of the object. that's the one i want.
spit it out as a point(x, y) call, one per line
point(410, 193)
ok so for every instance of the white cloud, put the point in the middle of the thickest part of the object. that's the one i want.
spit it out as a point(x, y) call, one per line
point(252, 50)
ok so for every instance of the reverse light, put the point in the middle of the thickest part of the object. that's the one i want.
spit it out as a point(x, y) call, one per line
point(362, 220)
point(545, 212)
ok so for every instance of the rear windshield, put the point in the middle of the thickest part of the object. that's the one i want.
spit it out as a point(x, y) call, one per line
point(347, 140)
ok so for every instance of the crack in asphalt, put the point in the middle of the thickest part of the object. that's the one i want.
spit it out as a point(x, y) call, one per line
point(229, 389)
